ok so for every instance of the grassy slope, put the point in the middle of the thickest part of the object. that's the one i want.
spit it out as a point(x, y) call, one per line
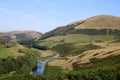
point(74, 38)
point(5, 53)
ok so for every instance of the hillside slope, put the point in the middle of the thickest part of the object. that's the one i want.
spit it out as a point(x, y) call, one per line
point(100, 22)
point(87, 57)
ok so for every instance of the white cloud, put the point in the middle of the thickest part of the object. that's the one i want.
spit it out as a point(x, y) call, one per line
point(7, 11)
point(18, 13)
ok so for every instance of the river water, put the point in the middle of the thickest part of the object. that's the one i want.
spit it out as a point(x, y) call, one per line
point(40, 65)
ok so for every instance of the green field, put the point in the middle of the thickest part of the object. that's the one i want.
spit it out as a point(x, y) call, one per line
point(72, 38)
point(4, 52)
point(49, 43)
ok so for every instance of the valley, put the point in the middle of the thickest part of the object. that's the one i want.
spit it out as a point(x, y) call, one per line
point(88, 50)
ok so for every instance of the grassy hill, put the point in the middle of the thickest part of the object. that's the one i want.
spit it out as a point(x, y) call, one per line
point(101, 22)
point(97, 25)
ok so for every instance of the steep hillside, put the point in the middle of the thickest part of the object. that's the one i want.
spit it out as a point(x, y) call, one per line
point(21, 35)
point(97, 25)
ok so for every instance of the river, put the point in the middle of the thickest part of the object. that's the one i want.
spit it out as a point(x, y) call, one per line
point(40, 65)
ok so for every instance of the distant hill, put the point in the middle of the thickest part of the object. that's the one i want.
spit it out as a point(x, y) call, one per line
point(21, 35)
point(96, 25)
point(100, 22)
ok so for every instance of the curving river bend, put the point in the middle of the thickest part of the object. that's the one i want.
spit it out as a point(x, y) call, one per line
point(40, 65)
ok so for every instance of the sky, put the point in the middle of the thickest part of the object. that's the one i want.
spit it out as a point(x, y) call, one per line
point(45, 15)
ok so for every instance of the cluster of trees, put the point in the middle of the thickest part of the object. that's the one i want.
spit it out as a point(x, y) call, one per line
point(102, 74)
point(115, 33)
